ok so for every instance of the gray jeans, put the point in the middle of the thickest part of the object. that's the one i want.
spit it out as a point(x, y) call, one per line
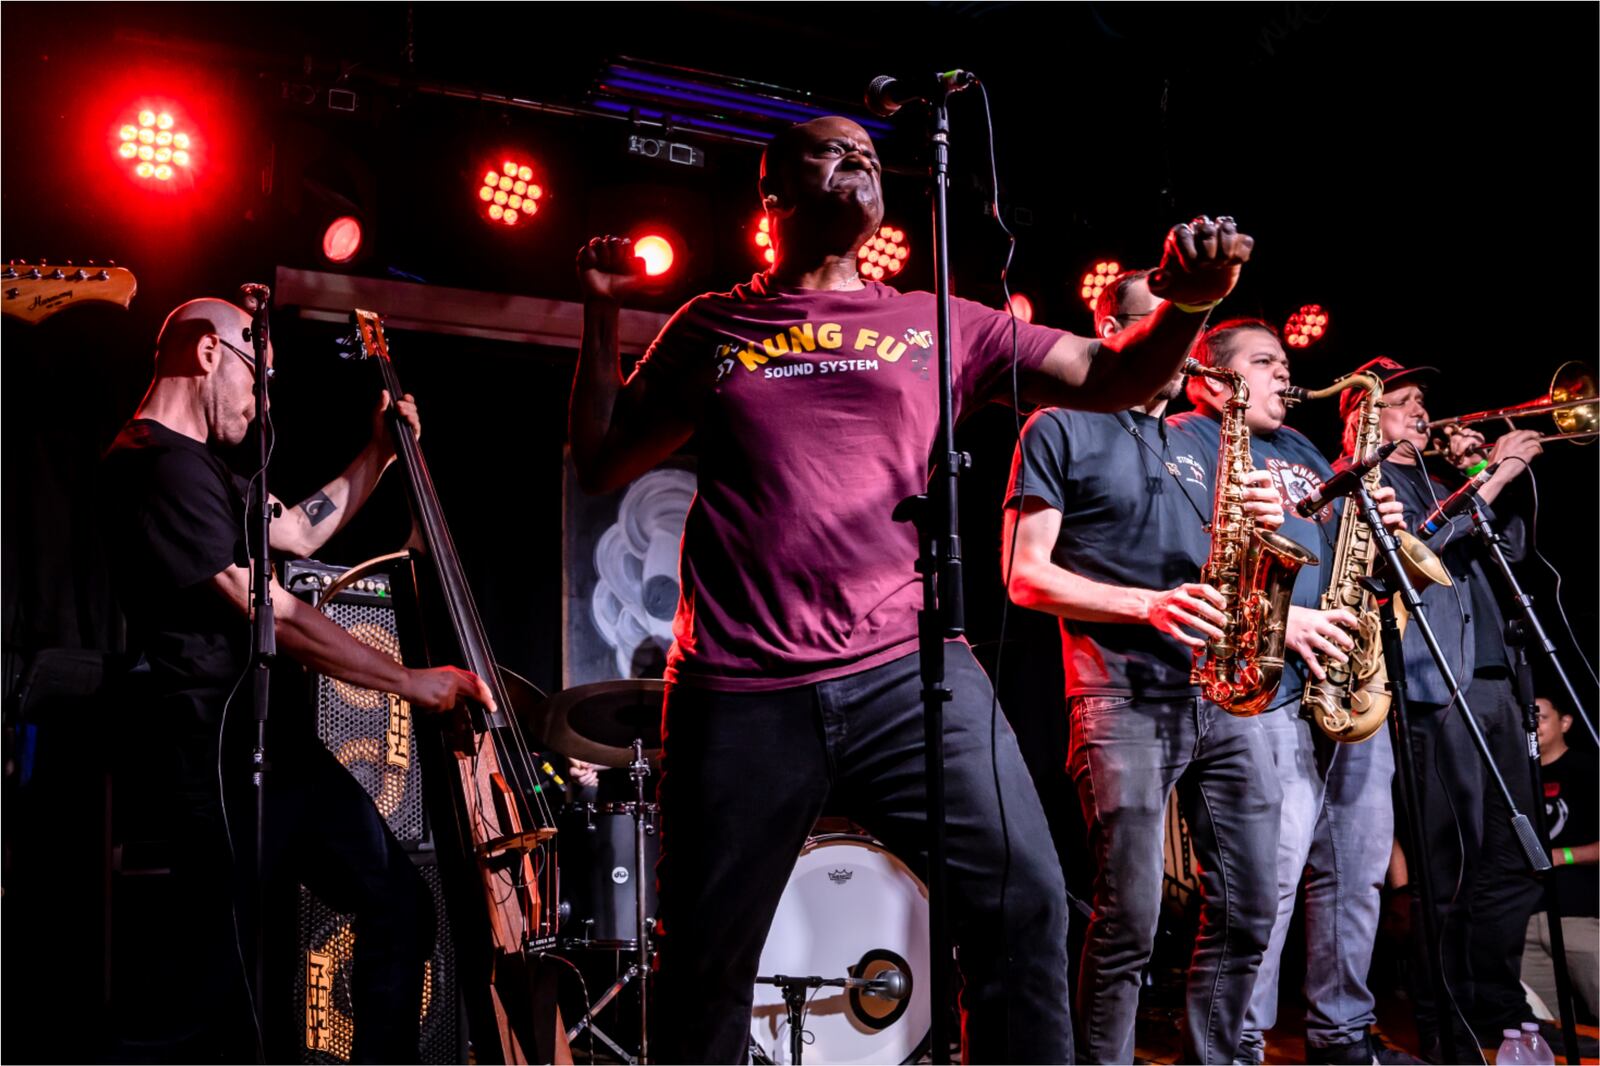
point(1336, 835)
point(1126, 757)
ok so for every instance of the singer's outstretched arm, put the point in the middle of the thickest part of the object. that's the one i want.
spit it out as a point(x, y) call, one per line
point(1199, 266)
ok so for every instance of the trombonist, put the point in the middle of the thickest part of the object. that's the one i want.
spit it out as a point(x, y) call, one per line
point(1484, 887)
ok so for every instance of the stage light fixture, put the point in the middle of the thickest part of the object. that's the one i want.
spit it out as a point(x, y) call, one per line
point(884, 254)
point(1306, 326)
point(509, 194)
point(156, 145)
point(763, 238)
point(1022, 307)
point(656, 251)
point(1096, 278)
point(342, 239)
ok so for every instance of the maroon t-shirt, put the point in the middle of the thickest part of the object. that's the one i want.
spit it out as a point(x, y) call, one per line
point(817, 414)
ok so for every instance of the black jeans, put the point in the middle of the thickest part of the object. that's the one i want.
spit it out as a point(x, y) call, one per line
point(1484, 886)
point(324, 832)
point(1126, 756)
point(746, 775)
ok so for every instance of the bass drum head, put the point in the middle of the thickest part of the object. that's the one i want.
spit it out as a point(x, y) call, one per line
point(851, 909)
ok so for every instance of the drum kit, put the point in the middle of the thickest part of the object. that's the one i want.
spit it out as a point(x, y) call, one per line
point(845, 965)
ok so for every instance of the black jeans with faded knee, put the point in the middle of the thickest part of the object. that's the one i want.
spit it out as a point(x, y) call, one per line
point(746, 776)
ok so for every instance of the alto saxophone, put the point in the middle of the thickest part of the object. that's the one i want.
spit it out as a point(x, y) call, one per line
point(1354, 700)
point(1253, 569)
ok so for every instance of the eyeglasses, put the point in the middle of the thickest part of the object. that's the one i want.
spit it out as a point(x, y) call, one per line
point(249, 359)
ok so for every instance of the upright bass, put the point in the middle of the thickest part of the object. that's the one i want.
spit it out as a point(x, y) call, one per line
point(494, 824)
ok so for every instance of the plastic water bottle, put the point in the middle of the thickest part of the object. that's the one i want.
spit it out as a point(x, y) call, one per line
point(1513, 1051)
point(1539, 1052)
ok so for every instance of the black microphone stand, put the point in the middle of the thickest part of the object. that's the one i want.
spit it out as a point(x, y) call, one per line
point(794, 1000)
point(264, 645)
point(939, 564)
point(1520, 633)
point(1494, 541)
point(1399, 583)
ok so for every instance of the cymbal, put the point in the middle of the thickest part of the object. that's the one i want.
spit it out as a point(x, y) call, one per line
point(599, 722)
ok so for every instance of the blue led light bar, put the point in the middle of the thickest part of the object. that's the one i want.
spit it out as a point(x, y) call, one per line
point(709, 101)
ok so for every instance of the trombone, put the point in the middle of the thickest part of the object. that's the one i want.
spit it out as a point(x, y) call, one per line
point(1570, 403)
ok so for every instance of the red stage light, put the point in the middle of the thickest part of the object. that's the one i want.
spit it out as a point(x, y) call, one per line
point(162, 150)
point(342, 239)
point(763, 239)
point(656, 251)
point(1022, 307)
point(1096, 279)
point(508, 194)
point(884, 254)
point(1306, 326)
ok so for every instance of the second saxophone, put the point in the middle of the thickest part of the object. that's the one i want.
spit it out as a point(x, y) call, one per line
point(1352, 703)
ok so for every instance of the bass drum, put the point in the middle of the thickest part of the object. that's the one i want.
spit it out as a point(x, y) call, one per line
point(851, 909)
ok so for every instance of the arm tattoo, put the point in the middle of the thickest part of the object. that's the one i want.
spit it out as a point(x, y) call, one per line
point(317, 507)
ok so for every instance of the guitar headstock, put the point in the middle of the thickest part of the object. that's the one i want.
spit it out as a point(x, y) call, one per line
point(35, 291)
point(369, 339)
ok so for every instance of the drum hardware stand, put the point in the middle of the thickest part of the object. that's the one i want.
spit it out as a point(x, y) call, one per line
point(587, 1021)
point(639, 770)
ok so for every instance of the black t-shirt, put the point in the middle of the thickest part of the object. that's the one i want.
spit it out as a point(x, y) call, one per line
point(1124, 521)
point(175, 517)
point(1298, 470)
point(1572, 814)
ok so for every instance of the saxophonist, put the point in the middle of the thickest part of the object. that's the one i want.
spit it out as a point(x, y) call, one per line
point(1335, 822)
point(1105, 529)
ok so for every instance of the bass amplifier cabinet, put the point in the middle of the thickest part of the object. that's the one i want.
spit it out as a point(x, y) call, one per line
point(372, 735)
point(327, 943)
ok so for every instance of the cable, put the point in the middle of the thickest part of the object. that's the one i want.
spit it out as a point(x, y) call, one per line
point(588, 1004)
point(1533, 546)
point(1005, 585)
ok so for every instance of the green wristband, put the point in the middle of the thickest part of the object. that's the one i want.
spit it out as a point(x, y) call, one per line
point(1566, 853)
point(1197, 309)
point(1477, 468)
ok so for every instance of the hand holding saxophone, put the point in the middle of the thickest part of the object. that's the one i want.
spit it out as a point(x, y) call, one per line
point(1314, 634)
point(1261, 501)
point(1193, 606)
point(1391, 510)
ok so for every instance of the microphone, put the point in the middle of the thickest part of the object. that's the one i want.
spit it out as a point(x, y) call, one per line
point(253, 297)
point(544, 764)
point(1455, 503)
point(890, 984)
point(886, 95)
point(1344, 482)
